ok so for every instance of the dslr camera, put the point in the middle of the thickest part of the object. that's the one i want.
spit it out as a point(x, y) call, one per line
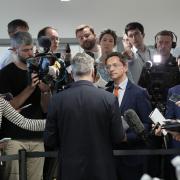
point(49, 67)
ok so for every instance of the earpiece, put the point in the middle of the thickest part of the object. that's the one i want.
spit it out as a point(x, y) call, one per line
point(167, 33)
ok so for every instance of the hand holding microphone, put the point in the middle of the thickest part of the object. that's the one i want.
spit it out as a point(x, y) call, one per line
point(137, 126)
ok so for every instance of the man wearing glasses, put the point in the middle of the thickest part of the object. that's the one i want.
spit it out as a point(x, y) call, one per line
point(130, 96)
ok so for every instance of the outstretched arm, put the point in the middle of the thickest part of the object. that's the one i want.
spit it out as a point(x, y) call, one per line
point(13, 116)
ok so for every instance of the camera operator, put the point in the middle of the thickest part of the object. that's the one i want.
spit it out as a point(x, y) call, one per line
point(14, 79)
point(162, 73)
point(50, 34)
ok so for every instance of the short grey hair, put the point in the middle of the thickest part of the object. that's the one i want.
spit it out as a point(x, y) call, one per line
point(21, 38)
point(82, 64)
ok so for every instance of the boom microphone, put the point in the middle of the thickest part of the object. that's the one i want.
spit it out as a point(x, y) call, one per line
point(136, 125)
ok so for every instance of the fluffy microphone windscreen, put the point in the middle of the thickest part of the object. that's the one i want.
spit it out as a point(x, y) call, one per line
point(133, 121)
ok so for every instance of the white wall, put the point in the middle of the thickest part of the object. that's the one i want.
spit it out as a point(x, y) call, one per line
point(155, 15)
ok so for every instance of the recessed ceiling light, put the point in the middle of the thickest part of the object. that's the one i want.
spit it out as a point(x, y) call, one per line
point(65, 0)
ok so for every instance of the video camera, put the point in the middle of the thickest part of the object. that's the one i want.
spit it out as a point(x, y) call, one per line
point(49, 67)
point(157, 78)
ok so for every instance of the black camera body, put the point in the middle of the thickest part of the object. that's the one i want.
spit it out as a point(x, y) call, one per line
point(157, 79)
point(40, 64)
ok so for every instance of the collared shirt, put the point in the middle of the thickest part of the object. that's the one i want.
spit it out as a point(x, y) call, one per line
point(136, 64)
point(122, 88)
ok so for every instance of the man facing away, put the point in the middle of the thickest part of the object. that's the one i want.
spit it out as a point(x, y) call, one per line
point(83, 123)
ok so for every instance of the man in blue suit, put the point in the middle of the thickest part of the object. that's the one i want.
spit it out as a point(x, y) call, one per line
point(130, 96)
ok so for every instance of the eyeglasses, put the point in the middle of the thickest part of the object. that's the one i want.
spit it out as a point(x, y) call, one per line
point(108, 67)
point(54, 38)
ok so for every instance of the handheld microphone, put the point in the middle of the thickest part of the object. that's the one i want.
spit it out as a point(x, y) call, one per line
point(148, 64)
point(136, 125)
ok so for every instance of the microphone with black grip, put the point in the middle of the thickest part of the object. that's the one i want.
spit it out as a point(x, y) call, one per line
point(136, 125)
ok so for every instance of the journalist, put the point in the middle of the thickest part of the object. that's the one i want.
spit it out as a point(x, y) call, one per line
point(87, 39)
point(13, 26)
point(14, 79)
point(140, 52)
point(163, 72)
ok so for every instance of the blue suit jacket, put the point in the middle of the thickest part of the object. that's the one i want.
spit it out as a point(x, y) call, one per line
point(135, 98)
point(173, 111)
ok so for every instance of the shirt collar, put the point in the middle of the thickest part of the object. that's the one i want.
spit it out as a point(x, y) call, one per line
point(123, 84)
point(135, 50)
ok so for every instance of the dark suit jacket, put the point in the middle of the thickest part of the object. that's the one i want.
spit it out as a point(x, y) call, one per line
point(83, 122)
point(173, 111)
point(135, 98)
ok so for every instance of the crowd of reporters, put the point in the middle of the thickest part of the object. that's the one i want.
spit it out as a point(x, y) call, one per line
point(127, 70)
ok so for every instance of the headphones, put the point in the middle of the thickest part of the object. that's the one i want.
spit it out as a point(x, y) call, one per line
point(167, 33)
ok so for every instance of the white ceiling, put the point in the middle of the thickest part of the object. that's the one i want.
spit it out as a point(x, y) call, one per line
point(155, 15)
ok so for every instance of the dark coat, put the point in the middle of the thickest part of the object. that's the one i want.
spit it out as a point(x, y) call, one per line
point(173, 111)
point(83, 122)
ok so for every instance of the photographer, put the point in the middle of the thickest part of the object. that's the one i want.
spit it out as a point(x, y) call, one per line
point(14, 79)
point(162, 73)
point(48, 39)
